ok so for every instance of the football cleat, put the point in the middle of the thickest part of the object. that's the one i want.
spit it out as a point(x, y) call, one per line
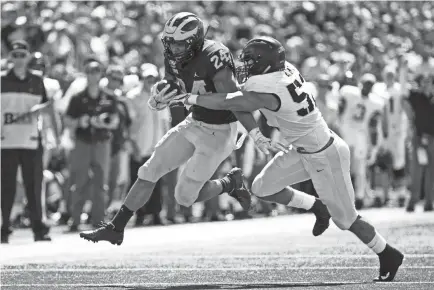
point(390, 260)
point(240, 192)
point(105, 232)
point(322, 215)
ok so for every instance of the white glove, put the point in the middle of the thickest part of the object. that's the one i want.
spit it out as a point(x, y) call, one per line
point(176, 100)
point(157, 101)
point(265, 144)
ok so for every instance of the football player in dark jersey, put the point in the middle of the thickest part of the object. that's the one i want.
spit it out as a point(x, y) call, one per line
point(203, 140)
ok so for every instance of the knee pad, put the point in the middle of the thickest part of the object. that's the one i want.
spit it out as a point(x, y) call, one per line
point(187, 191)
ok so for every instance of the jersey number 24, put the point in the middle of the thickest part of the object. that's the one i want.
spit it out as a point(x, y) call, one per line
point(298, 98)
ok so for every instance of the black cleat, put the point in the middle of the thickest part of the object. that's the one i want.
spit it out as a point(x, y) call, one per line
point(240, 192)
point(322, 215)
point(390, 260)
point(105, 232)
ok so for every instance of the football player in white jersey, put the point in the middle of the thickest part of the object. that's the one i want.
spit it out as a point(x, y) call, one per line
point(396, 124)
point(360, 127)
point(276, 88)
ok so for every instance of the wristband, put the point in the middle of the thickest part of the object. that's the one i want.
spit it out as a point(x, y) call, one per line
point(191, 99)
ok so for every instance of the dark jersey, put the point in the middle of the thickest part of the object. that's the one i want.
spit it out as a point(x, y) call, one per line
point(197, 76)
point(82, 104)
point(423, 107)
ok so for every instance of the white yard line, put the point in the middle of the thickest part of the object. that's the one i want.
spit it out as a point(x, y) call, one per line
point(171, 269)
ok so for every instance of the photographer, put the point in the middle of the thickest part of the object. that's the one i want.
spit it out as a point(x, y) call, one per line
point(93, 117)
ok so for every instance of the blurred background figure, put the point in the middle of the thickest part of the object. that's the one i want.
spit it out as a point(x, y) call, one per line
point(92, 116)
point(147, 128)
point(420, 109)
point(360, 126)
point(112, 85)
point(21, 145)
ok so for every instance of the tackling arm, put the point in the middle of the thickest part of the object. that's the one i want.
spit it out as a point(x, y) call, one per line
point(229, 98)
point(224, 82)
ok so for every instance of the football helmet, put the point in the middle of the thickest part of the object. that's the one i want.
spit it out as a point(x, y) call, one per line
point(261, 55)
point(182, 37)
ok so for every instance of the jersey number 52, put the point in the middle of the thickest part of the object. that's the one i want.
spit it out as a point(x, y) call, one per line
point(298, 98)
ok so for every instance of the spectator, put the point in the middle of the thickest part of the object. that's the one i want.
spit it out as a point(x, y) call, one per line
point(421, 115)
point(21, 139)
point(147, 128)
point(93, 116)
point(114, 82)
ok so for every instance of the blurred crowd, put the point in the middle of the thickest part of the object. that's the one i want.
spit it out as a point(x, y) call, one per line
point(116, 46)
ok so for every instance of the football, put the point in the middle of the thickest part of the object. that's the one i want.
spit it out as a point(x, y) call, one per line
point(173, 86)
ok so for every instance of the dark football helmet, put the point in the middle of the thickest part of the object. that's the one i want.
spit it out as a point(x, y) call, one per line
point(261, 55)
point(182, 37)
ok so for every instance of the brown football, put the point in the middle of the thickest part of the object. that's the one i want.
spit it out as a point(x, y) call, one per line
point(173, 86)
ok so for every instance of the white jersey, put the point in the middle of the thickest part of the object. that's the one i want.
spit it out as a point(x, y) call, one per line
point(396, 117)
point(297, 115)
point(358, 110)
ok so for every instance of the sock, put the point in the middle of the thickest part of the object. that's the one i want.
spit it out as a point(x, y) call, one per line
point(378, 243)
point(121, 219)
point(301, 200)
point(227, 184)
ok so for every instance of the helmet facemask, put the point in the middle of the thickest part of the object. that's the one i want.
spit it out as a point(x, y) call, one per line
point(180, 57)
point(247, 67)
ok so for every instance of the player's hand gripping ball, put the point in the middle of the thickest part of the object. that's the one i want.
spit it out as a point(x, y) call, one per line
point(162, 92)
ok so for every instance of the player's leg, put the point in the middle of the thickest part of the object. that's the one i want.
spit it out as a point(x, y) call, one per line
point(172, 151)
point(359, 176)
point(271, 186)
point(213, 146)
point(330, 172)
point(398, 174)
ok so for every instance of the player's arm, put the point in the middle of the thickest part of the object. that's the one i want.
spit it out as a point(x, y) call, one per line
point(226, 85)
point(239, 101)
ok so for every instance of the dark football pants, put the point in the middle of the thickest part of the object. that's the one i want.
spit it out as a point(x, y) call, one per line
point(85, 157)
point(422, 175)
point(31, 167)
point(153, 206)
